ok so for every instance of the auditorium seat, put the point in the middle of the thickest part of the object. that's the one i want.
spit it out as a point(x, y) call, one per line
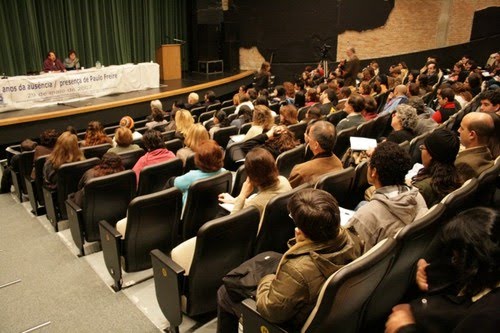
point(343, 141)
point(288, 159)
point(154, 178)
point(234, 156)
point(414, 150)
point(226, 104)
point(460, 199)
point(229, 110)
point(168, 135)
point(298, 131)
point(487, 185)
point(194, 291)
point(174, 145)
point(277, 227)
point(415, 241)
point(105, 198)
point(96, 151)
point(213, 107)
point(68, 177)
point(223, 135)
point(151, 222)
point(35, 187)
point(196, 112)
point(359, 186)
point(129, 158)
point(245, 128)
point(202, 203)
point(338, 183)
point(301, 113)
point(341, 302)
point(205, 116)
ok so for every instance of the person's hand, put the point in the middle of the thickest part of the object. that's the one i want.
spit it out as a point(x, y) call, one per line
point(401, 316)
point(421, 277)
point(275, 131)
point(226, 198)
point(246, 189)
point(369, 152)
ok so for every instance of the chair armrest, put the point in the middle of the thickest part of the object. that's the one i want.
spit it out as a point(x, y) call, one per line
point(111, 248)
point(75, 219)
point(169, 281)
point(253, 322)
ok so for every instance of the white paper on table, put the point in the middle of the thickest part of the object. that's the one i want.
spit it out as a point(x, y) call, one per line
point(359, 143)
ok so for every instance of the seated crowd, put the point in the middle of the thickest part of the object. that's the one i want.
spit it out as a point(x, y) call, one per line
point(415, 102)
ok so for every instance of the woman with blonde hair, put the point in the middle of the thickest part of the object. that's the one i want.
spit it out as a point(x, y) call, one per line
point(66, 150)
point(262, 121)
point(183, 122)
point(194, 137)
point(95, 135)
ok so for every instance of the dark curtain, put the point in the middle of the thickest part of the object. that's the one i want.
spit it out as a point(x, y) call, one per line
point(111, 31)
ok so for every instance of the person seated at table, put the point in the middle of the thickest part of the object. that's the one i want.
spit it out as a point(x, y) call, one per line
point(72, 62)
point(95, 135)
point(52, 64)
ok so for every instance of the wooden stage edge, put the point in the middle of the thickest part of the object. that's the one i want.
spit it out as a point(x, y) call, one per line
point(121, 103)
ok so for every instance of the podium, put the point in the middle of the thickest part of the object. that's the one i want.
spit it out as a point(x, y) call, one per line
point(168, 56)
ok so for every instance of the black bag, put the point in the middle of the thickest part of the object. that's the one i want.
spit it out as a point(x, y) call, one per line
point(242, 281)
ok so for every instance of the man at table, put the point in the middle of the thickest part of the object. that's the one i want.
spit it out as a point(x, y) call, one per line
point(52, 64)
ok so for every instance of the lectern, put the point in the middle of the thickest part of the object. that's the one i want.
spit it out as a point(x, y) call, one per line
point(169, 58)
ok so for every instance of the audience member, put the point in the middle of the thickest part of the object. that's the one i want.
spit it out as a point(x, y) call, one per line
point(328, 100)
point(244, 101)
point(183, 122)
point(13, 165)
point(194, 137)
point(439, 175)
point(393, 204)
point(244, 116)
point(66, 150)
point(156, 107)
point(263, 76)
point(124, 141)
point(129, 123)
point(263, 176)
point(220, 121)
point(352, 68)
point(490, 101)
point(403, 122)
point(158, 122)
point(193, 101)
point(321, 139)
point(210, 98)
point(370, 110)
point(110, 163)
point(475, 130)
point(320, 247)
point(262, 121)
point(355, 104)
point(399, 97)
point(277, 140)
point(155, 152)
point(447, 107)
point(425, 123)
point(48, 140)
point(288, 115)
point(209, 159)
point(95, 135)
point(462, 282)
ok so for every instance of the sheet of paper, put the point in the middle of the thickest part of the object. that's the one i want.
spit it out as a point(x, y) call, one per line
point(237, 138)
point(358, 143)
point(345, 216)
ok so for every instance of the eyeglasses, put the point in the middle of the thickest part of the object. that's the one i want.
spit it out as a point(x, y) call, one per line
point(422, 147)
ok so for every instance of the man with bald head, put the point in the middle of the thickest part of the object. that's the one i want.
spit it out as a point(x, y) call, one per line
point(399, 97)
point(475, 130)
point(321, 139)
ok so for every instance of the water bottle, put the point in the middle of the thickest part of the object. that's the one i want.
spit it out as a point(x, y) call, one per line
point(98, 64)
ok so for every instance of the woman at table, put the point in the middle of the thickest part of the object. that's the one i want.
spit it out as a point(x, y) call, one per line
point(52, 64)
point(72, 62)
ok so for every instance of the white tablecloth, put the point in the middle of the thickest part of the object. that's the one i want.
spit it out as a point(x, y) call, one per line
point(22, 92)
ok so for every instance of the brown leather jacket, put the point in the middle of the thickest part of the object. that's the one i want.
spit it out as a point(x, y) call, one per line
point(291, 294)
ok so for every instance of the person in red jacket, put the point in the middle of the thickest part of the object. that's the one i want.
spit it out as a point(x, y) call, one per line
point(156, 152)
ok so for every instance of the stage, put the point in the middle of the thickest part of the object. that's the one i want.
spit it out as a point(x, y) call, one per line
point(17, 125)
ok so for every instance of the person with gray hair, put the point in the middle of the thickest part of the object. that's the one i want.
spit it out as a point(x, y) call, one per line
point(156, 108)
point(193, 101)
point(424, 113)
point(404, 121)
point(321, 139)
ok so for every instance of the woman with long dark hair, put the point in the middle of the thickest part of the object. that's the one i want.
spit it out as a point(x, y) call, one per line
point(439, 176)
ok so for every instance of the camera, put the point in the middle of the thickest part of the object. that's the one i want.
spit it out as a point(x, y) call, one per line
point(324, 50)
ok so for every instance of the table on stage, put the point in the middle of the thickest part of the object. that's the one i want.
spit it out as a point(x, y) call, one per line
point(22, 92)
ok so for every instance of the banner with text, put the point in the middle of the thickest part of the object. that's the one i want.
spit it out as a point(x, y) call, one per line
point(22, 92)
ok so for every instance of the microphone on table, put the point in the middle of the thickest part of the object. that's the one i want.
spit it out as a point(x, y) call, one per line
point(179, 41)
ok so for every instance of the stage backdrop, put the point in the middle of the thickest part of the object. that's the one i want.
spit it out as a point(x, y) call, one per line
point(113, 31)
